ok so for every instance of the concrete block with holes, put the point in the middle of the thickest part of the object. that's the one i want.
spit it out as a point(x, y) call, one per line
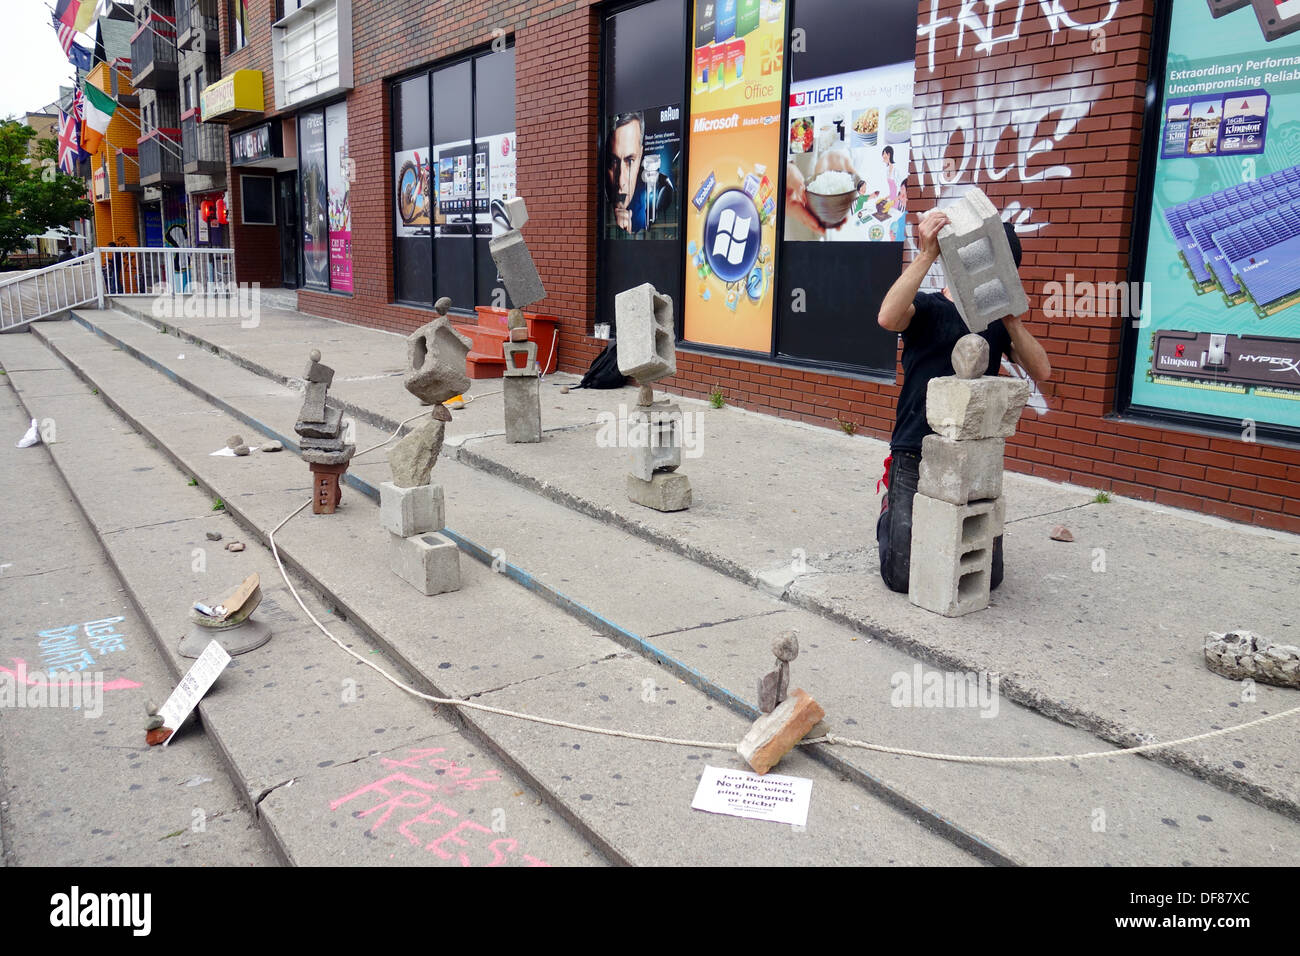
point(952, 554)
point(430, 563)
point(654, 437)
point(978, 263)
point(647, 348)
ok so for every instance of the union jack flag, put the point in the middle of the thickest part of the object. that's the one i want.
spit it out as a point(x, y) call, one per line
point(69, 144)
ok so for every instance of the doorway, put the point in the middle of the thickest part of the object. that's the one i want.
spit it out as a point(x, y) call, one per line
point(286, 191)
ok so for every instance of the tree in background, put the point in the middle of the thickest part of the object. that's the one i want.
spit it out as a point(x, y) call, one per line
point(34, 196)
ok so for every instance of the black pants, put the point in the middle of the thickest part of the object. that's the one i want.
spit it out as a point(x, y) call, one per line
point(894, 526)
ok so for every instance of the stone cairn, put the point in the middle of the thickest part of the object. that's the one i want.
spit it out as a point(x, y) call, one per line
point(411, 507)
point(647, 352)
point(320, 429)
point(786, 719)
point(521, 382)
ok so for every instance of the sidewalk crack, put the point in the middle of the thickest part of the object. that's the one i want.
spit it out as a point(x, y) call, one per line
point(529, 680)
point(729, 620)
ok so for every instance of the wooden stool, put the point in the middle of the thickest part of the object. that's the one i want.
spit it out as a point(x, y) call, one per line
point(326, 489)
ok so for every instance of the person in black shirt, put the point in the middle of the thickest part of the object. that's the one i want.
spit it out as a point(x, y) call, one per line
point(931, 325)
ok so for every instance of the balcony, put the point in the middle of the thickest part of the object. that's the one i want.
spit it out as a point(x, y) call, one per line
point(128, 171)
point(197, 28)
point(204, 147)
point(160, 164)
point(119, 86)
point(153, 52)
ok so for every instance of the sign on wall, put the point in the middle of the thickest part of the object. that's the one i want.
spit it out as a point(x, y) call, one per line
point(1218, 332)
point(641, 172)
point(737, 84)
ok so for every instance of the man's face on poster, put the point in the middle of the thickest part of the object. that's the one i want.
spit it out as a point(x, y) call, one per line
point(624, 169)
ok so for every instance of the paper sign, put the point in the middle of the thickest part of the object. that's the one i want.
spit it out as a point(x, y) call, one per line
point(740, 793)
point(192, 687)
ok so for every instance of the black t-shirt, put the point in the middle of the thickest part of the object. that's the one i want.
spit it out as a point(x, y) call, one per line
point(927, 353)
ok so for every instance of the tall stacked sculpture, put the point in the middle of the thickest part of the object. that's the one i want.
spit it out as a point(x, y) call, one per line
point(958, 511)
point(411, 506)
point(521, 381)
point(647, 352)
point(320, 429)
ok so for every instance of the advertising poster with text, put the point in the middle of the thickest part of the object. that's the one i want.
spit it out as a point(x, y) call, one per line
point(340, 198)
point(847, 148)
point(643, 162)
point(731, 189)
point(1219, 330)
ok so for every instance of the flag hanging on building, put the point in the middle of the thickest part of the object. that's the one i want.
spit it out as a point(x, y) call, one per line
point(80, 57)
point(77, 14)
point(98, 109)
point(66, 33)
point(69, 147)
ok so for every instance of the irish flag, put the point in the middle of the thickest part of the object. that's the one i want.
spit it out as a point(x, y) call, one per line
point(99, 110)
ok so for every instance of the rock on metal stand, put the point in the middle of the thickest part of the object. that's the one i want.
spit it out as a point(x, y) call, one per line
point(521, 382)
point(647, 353)
point(320, 429)
point(411, 507)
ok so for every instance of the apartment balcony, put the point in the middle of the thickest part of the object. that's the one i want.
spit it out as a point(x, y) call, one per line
point(153, 52)
point(160, 164)
point(197, 27)
point(119, 86)
point(204, 146)
point(128, 171)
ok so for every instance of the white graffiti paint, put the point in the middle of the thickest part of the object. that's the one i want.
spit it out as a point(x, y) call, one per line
point(984, 28)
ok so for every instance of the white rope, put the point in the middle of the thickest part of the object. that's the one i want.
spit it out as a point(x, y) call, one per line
point(831, 739)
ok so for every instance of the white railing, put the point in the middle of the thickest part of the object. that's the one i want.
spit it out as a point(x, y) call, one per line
point(166, 271)
point(46, 292)
point(114, 271)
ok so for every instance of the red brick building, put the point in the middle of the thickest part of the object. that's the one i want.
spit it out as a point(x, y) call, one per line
point(1042, 104)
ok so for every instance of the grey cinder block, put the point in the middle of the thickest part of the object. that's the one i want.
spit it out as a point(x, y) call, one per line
point(664, 492)
point(978, 264)
point(411, 511)
point(987, 407)
point(960, 472)
point(952, 554)
point(518, 272)
point(523, 409)
point(647, 349)
point(313, 402)
point(655, 438)
point(517, 210)
point(529, 350)
point(430, 563)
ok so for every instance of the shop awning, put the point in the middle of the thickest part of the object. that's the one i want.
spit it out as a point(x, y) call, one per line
point(233, 97)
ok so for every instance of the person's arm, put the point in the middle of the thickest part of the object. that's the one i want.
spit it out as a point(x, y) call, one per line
point(1026, 351)
point(897, 310)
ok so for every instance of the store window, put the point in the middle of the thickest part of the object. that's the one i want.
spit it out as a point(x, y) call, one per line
point(1211, 317)
point(453, 157)
point(641, 161)
point(779, 93)
point(325, 172)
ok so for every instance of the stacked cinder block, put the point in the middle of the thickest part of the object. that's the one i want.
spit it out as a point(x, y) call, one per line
point(958, 510)
point(519, 386)
point(424, 559)
point(978, 263)
point(647, 352)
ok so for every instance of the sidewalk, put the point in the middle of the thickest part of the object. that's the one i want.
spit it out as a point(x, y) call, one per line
point(1104, 633)
point(702, 593)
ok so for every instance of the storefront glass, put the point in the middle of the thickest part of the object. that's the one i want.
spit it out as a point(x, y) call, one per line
point(1212, 318)
point(325, 174)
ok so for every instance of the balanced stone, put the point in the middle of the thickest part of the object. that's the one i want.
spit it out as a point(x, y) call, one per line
point(518, 271)
point(436, 362)
point(413, 458)
point(647, 348)
point(317, 373)
point(960, 472)
point(987, 407)
point(315, 457)
point(313, 403)
point(970, 357)
point(328, 426)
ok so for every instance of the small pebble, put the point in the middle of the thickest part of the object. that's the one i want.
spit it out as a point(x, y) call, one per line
point(155, 737)
point(241, 451)
point(214, 535)
point(458, 404)
point(314, 355)
point(1062, 533)
point(151, 708)
point(234, 441)
point(273, 446)
point(564, 390)
point(235, 546)
point(153, 723)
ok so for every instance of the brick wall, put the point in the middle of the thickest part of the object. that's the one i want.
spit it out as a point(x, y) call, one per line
point(1046, 114)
